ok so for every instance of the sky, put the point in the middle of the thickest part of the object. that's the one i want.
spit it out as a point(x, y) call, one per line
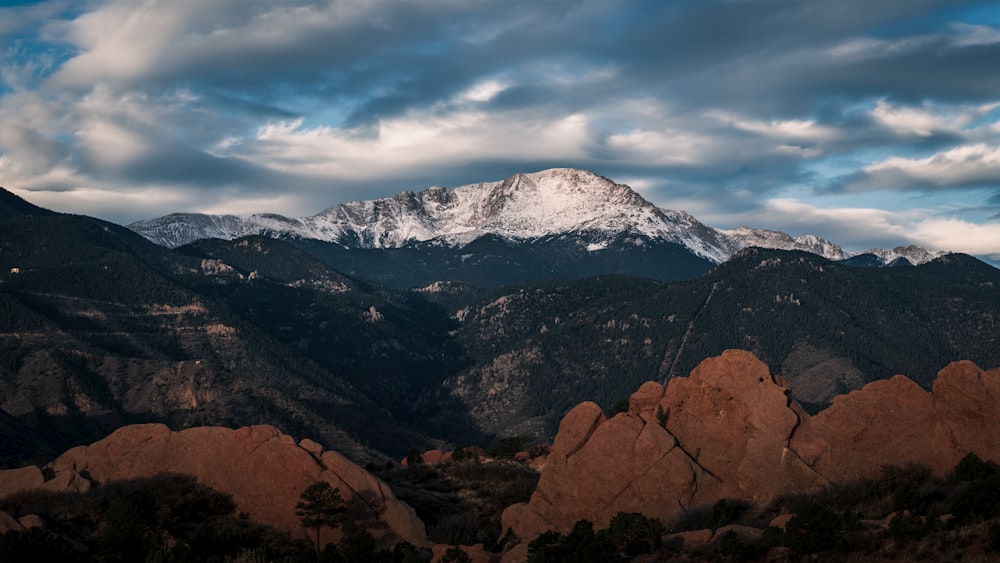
point(871, 124)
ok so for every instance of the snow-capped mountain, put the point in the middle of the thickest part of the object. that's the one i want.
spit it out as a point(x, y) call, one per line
point(523, 207)
point(913, 254)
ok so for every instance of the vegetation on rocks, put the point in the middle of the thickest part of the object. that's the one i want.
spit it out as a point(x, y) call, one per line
point(461, 501)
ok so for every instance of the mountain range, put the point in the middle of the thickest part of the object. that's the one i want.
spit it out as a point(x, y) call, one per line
point(573, 214)
point(100, 327)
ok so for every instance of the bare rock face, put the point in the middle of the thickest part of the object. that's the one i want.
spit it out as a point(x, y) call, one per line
point(731, 430)
point(895, 421)
point(22, 479)
point(887, 422)
point(9, 524)
point(738, 422)
point(968, 400)
point(264, 470)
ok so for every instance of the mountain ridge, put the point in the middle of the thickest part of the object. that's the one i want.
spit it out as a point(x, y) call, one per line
point(523, 207)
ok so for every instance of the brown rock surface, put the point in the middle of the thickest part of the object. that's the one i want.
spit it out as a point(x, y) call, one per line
point(968, 400)
point(644, 401)
point(9, 524)
point(22, 479)
point(744, 533)
point(263, 469)
point(517, 554)
point(732, 431)
point(887, 422)
point(31, 521)
point(738, 422)
point(625, 465)
point(780, 521)
point(433, 456)
point(688, 540)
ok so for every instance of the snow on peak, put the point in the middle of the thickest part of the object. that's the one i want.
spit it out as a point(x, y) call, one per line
point(743, 237)
point(557, 201)
point(915, 255)
point(523, 206)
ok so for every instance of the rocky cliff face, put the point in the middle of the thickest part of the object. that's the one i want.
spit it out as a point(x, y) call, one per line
point(264, 470)
point(730, 430)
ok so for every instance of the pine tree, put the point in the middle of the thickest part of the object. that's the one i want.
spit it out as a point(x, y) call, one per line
point(321, 505)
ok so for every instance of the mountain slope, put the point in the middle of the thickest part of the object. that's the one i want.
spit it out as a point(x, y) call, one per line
point(99, 328)
point(825, 327)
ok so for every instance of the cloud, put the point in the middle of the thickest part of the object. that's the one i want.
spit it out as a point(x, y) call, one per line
point(854, 228)
point(929, 118)
point(858, 229)
point(718, 107)
point(966, 166)
point(421, 140)
point(960, 236)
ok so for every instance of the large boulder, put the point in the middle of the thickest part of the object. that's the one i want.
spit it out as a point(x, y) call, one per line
point(264, 470)
point(888, 422)
point(731, 430)
point(895, 421)
point(968, 400)
point(739, 423)
point(21, 479)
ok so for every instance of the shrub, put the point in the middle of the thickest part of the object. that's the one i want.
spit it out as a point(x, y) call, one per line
point(726, 512)
point(455, 555)
point(506, 447)
point(994, 537)
point(618, 407)
point(37, 545)
point(973, 468)
point(908, 526)
point(634, 534)
point(738, 550)
point(980, 499)
point(815, 528)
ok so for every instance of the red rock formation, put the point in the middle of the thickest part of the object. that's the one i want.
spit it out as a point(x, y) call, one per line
point(9, 524)
point(22, 479)
point(738, 422)
point(887, 422)
point(730, 430)
point(263, 469)
point(968, 400)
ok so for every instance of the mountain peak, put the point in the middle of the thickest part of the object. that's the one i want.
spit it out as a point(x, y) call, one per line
point(915, 255)
point(522, 207)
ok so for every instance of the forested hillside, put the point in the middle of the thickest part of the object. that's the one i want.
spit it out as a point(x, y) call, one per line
point(826, 327)
point(99, 328)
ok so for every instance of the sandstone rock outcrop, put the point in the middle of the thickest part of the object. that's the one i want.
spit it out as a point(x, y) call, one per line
point(21, 479)
point(263, 469)
point(887, 422)
point(731, 430)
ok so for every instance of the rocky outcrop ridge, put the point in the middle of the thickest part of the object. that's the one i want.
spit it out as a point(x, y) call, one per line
point(731, 430)
point(263, 469)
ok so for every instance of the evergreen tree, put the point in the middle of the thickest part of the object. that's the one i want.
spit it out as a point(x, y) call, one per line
point(321, 505)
